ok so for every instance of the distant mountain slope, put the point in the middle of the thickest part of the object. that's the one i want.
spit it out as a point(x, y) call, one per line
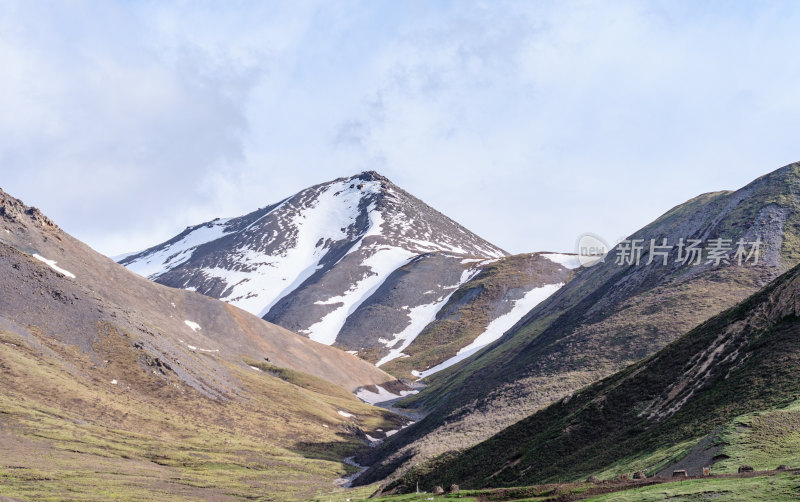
point(114, 387)
point(609, 316)
point(743, 360)
point(356, 262)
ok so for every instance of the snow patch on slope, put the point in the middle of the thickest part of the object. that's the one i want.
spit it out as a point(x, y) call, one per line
point(495, 329)
point(192, 325)
point(52, 264)
point(262, 280)
point(569, 261)
point(381, 264)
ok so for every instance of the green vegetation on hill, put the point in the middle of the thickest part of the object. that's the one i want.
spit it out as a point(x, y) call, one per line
point(762, 438)
point(116, 388)
point(73, 429)
point(755, 489)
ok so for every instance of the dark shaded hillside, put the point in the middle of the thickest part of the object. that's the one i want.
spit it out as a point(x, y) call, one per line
point(606, 318)
point(743, 360)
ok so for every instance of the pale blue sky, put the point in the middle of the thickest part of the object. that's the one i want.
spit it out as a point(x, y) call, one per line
point(528, 122)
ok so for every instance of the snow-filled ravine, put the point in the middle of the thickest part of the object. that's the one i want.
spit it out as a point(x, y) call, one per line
point(495, 329)
point(260, 280)
point(420, 316)
point(381, 396)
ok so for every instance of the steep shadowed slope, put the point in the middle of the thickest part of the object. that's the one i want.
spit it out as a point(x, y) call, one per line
point(742, 361)
point(607, 317)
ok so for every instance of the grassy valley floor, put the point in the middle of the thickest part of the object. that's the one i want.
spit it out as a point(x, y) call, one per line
point(76, 429)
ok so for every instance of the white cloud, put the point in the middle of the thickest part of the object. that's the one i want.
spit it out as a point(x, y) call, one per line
point(126, 122)
point(102, 130)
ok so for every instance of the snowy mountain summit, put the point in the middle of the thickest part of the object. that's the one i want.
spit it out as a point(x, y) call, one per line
point(356, 261)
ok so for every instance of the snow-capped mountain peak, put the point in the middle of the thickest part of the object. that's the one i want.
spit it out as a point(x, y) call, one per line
point(311, 261)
